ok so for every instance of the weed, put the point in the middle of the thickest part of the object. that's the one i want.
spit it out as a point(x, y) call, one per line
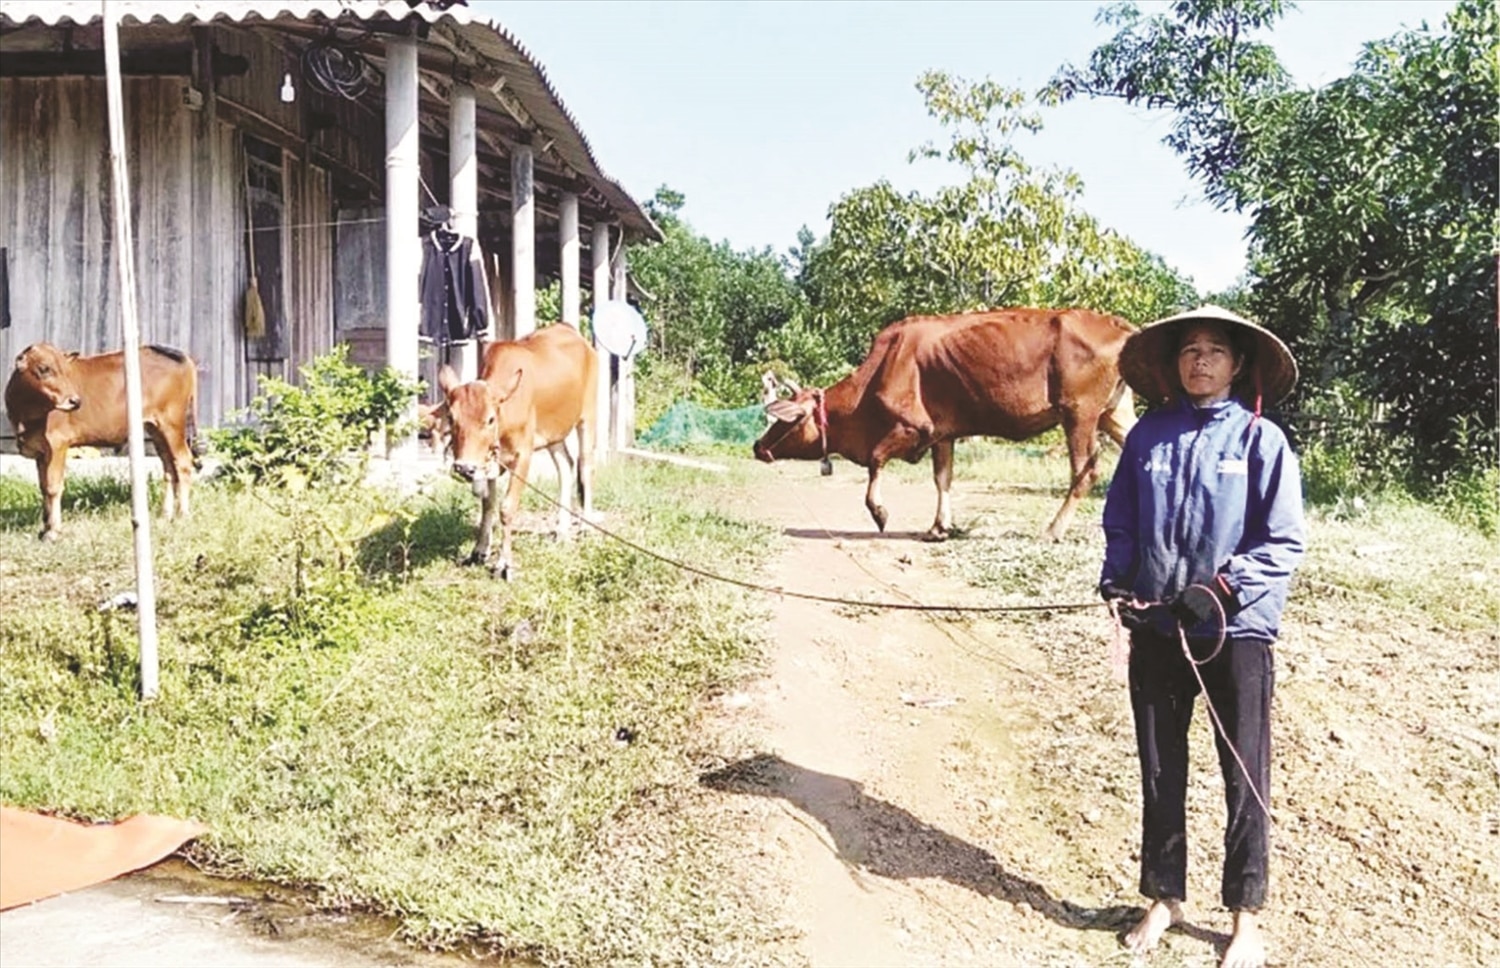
point(347, 707)
point(315, 433)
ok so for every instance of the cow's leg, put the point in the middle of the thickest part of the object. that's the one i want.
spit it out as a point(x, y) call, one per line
point(942, 477)
point(176, 466)
point(586, 471)
point(902, 440)
point(487, 505)
point(562, 460)
point(50, 465)
point(508, 511)
point(168, 471)
point(1083, 459)
point(177, 461)
point(872, 496)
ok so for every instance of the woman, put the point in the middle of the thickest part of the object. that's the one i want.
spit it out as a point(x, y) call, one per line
point(1203, 528)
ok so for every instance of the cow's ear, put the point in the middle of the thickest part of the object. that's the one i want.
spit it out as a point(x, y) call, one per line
point(447, 380)
point(513, 386)
point(789, 410)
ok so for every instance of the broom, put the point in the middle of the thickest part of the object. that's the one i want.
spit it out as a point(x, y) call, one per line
point(255, 311)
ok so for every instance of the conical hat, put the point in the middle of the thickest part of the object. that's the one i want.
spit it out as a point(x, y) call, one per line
point(1148, 361)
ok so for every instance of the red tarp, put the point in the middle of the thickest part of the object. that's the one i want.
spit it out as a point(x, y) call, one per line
point(41, 856)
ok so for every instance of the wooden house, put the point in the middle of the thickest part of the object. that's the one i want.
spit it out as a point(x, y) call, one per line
point(324, 131)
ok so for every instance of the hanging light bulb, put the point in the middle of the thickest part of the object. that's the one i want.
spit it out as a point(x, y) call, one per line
point(288, 93)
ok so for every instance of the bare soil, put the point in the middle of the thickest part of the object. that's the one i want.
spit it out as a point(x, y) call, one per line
point(918, 788)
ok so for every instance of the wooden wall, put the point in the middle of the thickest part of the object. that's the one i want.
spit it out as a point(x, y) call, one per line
point(188, 209)
point(56, 220)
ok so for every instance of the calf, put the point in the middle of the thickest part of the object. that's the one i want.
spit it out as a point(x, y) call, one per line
point(58, 400)
point(538, 391)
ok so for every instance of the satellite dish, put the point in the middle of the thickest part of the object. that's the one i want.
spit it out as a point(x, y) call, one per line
point(619, 329)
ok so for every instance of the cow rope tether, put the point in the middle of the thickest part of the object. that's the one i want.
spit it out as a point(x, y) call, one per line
point(808, 596)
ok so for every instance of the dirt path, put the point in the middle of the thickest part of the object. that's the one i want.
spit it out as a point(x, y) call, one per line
point(908, 825)
point(950, 792)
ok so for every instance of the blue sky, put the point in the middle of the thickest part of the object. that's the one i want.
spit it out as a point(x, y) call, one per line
point(764, 113)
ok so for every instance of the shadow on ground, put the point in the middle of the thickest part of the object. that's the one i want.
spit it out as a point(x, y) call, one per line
point(885, 840)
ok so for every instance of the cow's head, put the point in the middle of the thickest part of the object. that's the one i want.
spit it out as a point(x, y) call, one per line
point(42, 381)
point(800, 430)
point(477, 420)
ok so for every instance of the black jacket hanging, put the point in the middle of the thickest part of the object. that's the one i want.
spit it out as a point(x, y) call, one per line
point(455, 294)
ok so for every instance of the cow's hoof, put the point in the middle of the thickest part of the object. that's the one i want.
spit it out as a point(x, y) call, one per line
point(475, 558)
point(503, 570)
point(880, 516)
point(49, 535)
point(936, 533)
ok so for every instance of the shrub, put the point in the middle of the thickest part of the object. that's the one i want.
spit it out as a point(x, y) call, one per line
point(316, 433)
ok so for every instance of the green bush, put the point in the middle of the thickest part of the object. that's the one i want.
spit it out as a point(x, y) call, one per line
point(1472, 499)
point(316, 433)
point(1345, 450)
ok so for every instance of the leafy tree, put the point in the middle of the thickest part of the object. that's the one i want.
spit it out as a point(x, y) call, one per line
point(1009, 234)
point(1373, 201)
point(709, 310)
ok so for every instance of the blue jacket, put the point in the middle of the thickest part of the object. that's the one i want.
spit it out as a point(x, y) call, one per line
point(1200, 492)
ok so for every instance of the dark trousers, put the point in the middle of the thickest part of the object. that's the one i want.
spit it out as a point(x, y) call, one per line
point(1163, 690)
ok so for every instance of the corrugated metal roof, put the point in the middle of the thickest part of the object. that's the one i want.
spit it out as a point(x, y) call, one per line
point(489, 39)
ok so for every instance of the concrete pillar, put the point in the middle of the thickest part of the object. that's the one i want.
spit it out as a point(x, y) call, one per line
point(571, 309)
point(403, 245)
point(463, 197)
point(523, 240)
point(600, 250)
point(624, 402)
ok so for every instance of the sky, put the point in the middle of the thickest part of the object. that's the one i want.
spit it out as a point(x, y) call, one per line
point(762, 114)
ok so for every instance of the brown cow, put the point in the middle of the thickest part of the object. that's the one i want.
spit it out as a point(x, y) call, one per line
point(58, 400)
point(931, 380)
point(532, 392)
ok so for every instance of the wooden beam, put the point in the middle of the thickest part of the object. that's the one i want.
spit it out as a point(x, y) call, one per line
point(148, 62)
point(432, 87)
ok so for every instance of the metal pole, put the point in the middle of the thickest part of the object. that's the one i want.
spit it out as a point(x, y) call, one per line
point(140, 520)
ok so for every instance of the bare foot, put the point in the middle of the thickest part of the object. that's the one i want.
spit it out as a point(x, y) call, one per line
point(1160, 916)
point(1247, 947)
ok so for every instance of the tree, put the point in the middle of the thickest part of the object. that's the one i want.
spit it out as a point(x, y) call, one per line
point(1372, 200)
point(709, 309)
point(1009, 234)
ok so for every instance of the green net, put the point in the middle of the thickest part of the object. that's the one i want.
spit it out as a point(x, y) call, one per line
point(688, 424)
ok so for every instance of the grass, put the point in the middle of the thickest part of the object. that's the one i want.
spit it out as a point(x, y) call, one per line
point(1387, 553)
point(348, 709)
